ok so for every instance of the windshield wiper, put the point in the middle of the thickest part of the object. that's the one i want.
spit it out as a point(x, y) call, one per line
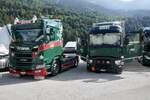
point(39, 38)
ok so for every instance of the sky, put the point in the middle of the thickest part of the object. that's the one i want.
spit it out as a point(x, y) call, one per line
point(126, 0)
point(123, 4)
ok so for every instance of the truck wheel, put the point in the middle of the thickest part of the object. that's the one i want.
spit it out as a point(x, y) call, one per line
point(76, 62)
point(55, 67)
point(118, 70)
point(140, 60)
point(143, 61)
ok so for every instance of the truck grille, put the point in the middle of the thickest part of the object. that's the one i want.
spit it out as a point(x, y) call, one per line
point(102, 61)
point(23, 64)
point(23, 55)
point(23, 59)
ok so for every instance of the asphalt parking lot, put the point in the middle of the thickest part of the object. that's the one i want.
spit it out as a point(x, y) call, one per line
point(78, 84)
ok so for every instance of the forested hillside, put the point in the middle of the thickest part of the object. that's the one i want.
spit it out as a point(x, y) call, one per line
point(75, 22)
point(136, 23)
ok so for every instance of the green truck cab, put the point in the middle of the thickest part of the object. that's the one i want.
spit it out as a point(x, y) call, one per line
point(37, 48)
point(146, 44)
point(107, 47)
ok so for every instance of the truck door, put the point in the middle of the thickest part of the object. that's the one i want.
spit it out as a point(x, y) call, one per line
point(133, 48)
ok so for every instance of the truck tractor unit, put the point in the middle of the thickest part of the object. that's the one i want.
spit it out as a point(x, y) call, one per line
point(37, 48)
point(107, 47)
point(146, 44)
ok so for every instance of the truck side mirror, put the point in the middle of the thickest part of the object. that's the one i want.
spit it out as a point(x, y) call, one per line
point(126, 41)
point(48, 31)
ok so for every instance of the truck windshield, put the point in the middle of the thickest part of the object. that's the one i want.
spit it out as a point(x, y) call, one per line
point(27, 35)
point(108, 39)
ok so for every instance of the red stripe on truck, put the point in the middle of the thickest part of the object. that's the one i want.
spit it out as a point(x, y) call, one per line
point(50, 45)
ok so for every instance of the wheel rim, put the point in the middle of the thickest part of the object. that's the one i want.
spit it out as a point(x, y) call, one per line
point(76, 63)
point(55, 67)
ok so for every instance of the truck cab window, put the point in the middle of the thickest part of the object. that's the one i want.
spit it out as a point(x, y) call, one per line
point(50, 33)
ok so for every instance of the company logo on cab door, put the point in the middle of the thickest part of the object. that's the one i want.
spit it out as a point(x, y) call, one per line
point(50, 45)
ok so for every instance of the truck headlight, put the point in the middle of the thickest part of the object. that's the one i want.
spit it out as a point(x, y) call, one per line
point(107, 62)
point(40, 66)
point(118, 62)
point(122, 57)
point(35, 47)
point(41, 57)
point(12, 54)
point(90, 61)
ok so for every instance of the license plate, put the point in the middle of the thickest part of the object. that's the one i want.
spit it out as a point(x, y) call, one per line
point(23, 60)
point(103, 70)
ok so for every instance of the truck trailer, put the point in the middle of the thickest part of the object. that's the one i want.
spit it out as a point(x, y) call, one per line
point(107, 47)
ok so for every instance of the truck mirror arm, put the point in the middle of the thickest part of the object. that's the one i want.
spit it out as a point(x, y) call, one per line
point(39, 38)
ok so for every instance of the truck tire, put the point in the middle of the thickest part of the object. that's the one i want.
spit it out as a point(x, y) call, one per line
point(76, 63)
point(55, 67)
point(140, 60)
point(118, 70)
point(144, 63)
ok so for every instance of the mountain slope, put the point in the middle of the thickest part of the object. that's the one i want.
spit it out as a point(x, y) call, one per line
point(135, 13)
point(102, 7)
point(84, 5)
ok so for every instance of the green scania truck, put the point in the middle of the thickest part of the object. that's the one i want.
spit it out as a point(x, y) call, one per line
point(107, 47)
point(37, 48)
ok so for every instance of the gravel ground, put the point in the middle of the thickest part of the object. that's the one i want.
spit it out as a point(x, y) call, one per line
point(78, 84)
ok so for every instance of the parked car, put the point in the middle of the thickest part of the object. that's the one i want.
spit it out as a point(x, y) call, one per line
point(70, 51)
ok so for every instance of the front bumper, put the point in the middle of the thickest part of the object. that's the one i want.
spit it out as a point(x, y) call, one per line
point(40, 72)
point(105, 64)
